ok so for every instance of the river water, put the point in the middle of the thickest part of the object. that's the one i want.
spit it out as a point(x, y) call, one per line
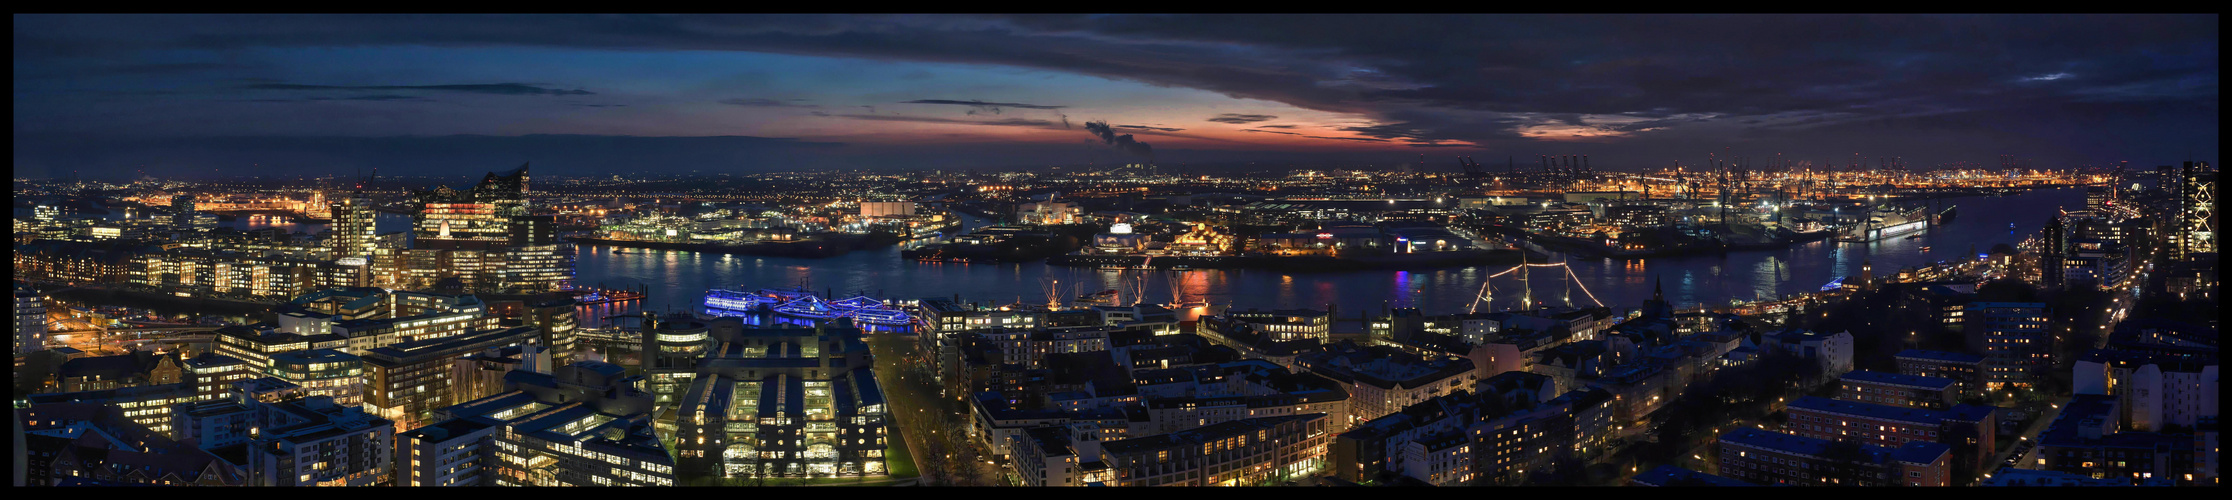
point(678, 279)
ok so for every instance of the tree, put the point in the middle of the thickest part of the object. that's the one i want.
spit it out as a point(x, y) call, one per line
point(2006, 290)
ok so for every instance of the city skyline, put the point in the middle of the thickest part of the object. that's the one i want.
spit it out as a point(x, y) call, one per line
point(1116, 250)
point(212, 96)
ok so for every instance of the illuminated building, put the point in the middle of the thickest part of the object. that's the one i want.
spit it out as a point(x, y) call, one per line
point(1764, 457)
point(886, 208)
point(671, 350)
point(2089, 438)
point(2153, 391)
point(484, 237)
point(1288, 324)
point(1238, 453)
point(1966, 370)
point(583, 424)
point(557, 322)
point(95, 441)
point(2196, 218)
point(353, 228)
point(476, 219)
point(788, 402)
point(78, 263)
point(110, 372)
point(2013, 339)
point(406, 382)
point(213, 374)
point(346, 448)
point(1047, 212)
point(1971, 428)
point(149, 405)
point(30, 322)
point(293, 438)
point(481, 374)
point(1896, 389)
point(1382, 380)
point(1049, 456)
point(322, 372)
point(182, 212)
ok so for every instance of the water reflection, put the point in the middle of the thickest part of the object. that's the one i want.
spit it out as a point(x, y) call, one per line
point(1689, 280)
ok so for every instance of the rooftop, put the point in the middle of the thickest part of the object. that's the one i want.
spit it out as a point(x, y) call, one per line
point(1919, 416)
point(1940, 356)
point(1875, 377)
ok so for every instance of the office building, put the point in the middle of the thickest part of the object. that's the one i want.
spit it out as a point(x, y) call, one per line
point(787, 402)
point(326, 373)
point(354, 233)
point(584, 424)
point(406, 382)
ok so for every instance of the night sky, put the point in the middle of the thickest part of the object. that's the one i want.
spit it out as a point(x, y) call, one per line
point(196, 96)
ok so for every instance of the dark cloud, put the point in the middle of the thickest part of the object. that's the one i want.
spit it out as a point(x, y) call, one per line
point(1121, 142)
point(376, 97)
point(1005, 122)
point(1144, 127)
point(974, 106)
point(1269, 132)
point(490, 88)
point(1237, 118)
point(1357, 139)
point(422, 155)
point(1274, 126)
point(762, 102)
point(1476, 79)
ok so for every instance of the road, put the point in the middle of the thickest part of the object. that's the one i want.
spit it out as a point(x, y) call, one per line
point(916, 401)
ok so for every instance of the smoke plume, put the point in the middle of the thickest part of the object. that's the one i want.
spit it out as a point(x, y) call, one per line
point(1123, 142)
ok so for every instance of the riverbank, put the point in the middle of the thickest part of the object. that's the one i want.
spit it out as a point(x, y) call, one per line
point(1593, 249)
point(1413, 261)
point(821, 247)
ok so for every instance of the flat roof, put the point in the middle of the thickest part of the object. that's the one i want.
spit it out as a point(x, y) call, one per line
point(1667, 474)
point(1940, 356)
point(1875, 377)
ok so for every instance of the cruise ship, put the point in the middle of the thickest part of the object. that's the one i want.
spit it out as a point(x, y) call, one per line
point(801, 303)
point(1887, 222)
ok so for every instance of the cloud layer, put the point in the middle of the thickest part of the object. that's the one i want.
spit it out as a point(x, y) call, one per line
point(1643, 88)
